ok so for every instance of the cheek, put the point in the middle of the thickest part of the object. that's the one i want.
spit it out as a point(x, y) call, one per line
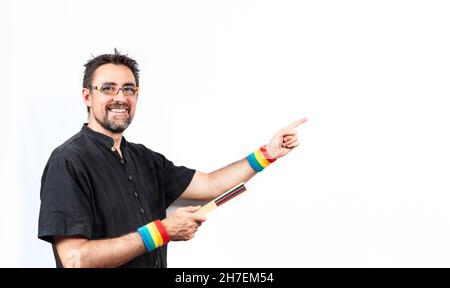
point(132, 106)
point(99, 107)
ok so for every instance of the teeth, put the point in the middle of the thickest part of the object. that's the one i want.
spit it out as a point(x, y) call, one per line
point(118, 110)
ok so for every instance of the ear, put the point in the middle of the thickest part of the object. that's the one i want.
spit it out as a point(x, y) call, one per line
point(87, 97)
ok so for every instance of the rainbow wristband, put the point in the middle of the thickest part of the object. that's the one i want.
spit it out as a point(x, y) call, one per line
point(260, 159)
point(153, 235)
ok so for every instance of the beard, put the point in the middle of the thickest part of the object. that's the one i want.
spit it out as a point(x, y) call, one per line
point(115, 123)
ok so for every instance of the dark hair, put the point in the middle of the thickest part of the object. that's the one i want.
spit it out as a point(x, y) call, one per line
point(116, 58)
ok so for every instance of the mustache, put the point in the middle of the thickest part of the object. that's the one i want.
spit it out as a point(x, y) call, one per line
point(118, 105)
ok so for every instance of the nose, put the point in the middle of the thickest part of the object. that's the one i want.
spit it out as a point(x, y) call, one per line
point(120, 95)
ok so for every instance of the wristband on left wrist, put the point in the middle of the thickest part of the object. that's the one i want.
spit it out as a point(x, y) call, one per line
point(260, 159)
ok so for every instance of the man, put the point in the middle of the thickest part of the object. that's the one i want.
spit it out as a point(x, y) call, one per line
point(104, 199)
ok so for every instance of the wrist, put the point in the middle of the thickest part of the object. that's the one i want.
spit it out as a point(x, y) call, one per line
point(167, 227)
point(154, 235)
point(260, 159)
point(270, 150)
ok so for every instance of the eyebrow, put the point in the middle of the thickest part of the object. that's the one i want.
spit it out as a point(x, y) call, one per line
point(124, 84)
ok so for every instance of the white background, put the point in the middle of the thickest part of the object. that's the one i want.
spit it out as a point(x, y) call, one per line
point(369, 185)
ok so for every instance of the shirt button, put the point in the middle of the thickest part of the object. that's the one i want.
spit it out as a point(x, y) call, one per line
point(122, 162)
point(113, 149)
point(141, 210)
point(135, 194)
point(130, 178)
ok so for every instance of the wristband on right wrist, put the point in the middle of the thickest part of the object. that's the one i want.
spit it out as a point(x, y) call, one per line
point(153, 235)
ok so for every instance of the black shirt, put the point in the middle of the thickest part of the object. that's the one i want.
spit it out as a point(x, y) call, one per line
point(87, 189)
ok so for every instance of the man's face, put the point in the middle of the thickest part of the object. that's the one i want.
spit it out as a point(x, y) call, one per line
point(112, 112)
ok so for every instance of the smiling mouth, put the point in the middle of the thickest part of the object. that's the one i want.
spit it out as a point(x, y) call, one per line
point(118, 110)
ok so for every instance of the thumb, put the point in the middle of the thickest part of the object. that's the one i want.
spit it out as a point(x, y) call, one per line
point(199, 218)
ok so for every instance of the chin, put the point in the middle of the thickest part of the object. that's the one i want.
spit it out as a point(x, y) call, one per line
point(116, 126)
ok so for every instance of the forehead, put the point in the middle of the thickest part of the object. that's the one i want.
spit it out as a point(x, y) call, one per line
point(119, 74)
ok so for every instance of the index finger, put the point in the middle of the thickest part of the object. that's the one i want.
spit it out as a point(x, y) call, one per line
point(297, 123)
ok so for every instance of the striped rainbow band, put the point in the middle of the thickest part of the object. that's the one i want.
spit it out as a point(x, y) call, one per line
point(260, 159)
point(230, 194)
point(153, 235)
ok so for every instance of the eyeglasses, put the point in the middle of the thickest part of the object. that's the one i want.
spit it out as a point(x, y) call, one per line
point(128, 90)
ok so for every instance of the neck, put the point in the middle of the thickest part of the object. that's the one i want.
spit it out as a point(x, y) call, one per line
point(117, 137)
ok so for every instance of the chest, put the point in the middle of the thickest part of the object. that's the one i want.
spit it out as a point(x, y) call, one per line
point(126, 193)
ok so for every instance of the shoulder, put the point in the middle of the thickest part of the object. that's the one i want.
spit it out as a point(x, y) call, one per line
point(71, 149)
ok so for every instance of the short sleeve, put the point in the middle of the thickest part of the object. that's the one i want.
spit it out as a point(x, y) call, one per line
point(65, 207)
point(175, 178)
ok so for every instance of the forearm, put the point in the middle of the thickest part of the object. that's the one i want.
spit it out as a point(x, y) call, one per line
point(207, 186)
point(225, 178)
point(103, 253)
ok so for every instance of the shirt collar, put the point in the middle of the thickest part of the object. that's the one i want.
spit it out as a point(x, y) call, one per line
point(101, 138)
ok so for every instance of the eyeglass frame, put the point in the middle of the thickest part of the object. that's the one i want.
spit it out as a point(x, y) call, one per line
point(97, 88)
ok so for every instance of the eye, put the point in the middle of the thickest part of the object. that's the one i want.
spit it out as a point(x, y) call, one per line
point(129, 90)
point(107, 89)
